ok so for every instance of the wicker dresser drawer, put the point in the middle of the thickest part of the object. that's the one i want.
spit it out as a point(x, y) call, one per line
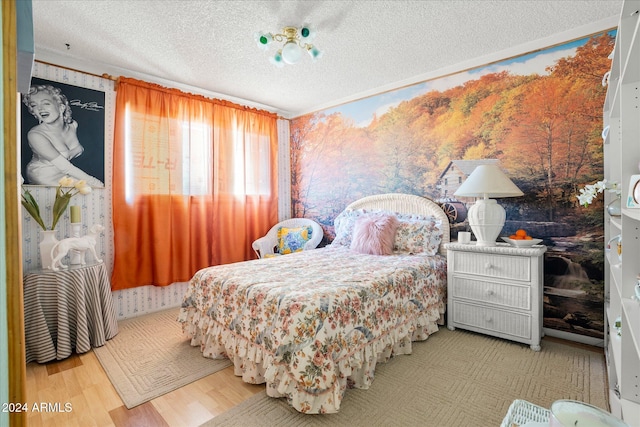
point(492, 319)
point(489, 265)
point(496, 290)
point(513, 296)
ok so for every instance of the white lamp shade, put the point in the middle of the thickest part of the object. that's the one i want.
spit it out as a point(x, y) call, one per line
point(488, 181)
point(486, 216)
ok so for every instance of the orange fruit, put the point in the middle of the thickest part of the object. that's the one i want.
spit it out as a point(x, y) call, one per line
point(521, 233)
point(528, 238)
point(514, 237)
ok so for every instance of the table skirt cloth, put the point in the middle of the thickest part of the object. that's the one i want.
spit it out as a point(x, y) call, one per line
point(66, 310)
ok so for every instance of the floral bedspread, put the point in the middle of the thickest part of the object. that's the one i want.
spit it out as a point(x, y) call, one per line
point(313, 323)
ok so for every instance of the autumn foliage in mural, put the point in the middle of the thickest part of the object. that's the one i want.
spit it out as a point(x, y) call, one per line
point(544, 129)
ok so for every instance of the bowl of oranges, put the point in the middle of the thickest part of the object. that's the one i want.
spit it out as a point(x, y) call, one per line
point(521, 239)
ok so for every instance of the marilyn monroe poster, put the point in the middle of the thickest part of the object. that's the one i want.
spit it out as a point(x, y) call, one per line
point(62, 131)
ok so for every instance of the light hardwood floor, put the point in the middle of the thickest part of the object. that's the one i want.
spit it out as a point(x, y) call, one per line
point(81, 381)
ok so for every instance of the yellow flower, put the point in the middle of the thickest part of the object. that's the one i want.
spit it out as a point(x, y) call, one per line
point(66, 182)
point(84, 190)
point(63, 197)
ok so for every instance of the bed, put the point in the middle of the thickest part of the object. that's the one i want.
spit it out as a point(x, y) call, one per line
point(314, 323)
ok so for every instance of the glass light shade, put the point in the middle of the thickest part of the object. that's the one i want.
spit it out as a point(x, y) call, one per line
point(314, 52)
point(263, 39)
point(277, 59)
point(307, 33)
point(291, 53)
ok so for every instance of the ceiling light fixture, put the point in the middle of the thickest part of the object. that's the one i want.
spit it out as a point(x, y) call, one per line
point(296, 41)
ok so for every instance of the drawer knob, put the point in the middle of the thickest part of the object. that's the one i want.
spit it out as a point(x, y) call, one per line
point(488, 266)
point(490, 292)
point(489, 319)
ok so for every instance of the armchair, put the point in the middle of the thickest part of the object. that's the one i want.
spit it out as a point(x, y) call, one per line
point(265, 245)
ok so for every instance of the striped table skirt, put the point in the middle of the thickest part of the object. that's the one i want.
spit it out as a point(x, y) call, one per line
point(67, 310)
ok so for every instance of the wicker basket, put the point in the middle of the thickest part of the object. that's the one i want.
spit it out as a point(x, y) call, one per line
point(520, 412)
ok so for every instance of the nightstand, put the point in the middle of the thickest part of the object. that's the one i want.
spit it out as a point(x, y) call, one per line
point(67, 310)
point(496, 290)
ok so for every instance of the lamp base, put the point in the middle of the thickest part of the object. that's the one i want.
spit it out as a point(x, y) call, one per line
point(486, 219)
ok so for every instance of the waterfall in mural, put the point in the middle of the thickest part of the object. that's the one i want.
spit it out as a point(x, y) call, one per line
point(573, 278)
point(571, 303)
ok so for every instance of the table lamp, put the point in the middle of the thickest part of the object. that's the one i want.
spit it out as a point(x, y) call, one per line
point(486, 216)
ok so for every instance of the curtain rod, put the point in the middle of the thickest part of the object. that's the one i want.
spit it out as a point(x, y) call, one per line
point(115, 79)
point(104, 75)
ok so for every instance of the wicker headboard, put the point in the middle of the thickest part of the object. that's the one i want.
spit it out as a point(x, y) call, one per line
point(408, 204)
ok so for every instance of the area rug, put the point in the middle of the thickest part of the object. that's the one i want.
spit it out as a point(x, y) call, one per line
point(455, 378)
point(151, 356)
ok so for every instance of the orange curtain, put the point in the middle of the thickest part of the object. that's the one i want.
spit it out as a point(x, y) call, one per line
point(194, 183)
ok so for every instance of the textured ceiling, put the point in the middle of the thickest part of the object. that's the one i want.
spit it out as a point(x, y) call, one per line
point(369, 46)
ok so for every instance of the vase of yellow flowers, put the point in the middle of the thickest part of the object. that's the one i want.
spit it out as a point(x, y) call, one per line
point(67, 188)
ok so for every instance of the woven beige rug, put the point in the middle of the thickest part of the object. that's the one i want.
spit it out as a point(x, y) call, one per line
point(453, 379)
point(151, 356)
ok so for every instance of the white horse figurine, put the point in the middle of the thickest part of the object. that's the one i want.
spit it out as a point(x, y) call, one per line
point(82, 244)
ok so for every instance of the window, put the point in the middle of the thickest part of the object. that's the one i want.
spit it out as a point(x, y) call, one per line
point(250, 158)
point(194, 173)
point(176, 157)
point(167, 157)
point(196, 159)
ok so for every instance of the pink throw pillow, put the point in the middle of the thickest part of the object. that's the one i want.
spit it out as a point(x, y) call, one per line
point(374, 234)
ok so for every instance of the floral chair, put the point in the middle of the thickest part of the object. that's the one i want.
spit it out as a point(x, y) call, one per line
point(288, 236)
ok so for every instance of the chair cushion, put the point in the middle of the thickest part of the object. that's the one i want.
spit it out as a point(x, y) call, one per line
point(293, 239)
point(374, 234)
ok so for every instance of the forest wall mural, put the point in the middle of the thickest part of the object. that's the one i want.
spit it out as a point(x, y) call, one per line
point(539, 116)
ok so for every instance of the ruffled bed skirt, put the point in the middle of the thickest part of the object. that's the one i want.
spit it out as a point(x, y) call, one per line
point(256, 365)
